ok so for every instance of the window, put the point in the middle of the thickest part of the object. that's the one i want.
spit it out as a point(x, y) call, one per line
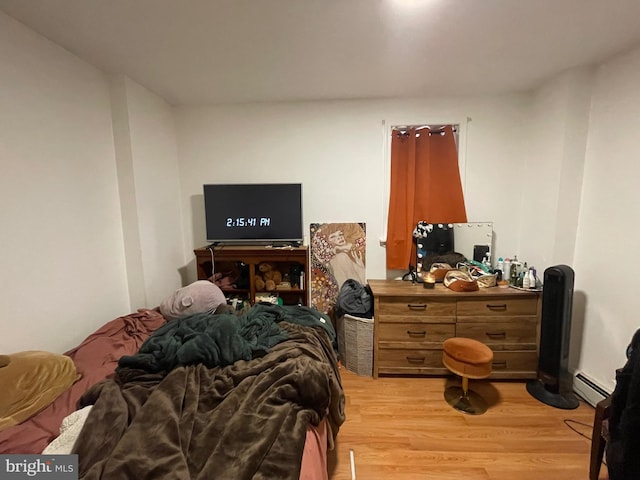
point(425, 183)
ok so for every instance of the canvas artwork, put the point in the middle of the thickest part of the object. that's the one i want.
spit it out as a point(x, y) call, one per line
point(337, 253)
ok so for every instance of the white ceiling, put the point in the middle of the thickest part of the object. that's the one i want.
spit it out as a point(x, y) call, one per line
point(211, 51)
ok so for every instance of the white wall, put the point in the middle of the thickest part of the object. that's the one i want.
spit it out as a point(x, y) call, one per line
point(336, 149)
point(61, 253)
point(551, 184)
point(90, 193)
point(582, 211)
point(149, 192)
point(609, 221)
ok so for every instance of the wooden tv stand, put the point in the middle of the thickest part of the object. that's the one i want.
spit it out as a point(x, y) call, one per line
point(227, 258)
point(411, 322)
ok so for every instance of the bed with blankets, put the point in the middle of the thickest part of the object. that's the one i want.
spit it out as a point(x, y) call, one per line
point(187, 394)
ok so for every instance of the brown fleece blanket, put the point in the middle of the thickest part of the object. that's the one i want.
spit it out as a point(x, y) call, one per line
point(243, 421)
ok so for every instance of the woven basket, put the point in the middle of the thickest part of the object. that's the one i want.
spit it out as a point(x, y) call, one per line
point(355, 344)
point(487, 280)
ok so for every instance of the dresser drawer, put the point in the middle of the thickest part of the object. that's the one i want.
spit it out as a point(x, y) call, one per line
point(497, 307)
point(412, 323)
point(415, 332)
point(518, 334)
point(396, 360)
point(517, 365)
point(412, 307)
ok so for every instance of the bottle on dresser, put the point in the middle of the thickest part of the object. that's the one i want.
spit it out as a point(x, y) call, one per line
point(514, 274)
point(532, 278)
point(486, 260)
point(500, 267)
point(506, 270)
point(524, 274)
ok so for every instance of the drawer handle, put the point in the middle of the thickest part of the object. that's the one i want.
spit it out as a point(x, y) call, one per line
point(500, 364)
point(415, 359)
point(416, 334)
point(502, 307)
point(496, 335)
point(417, 306)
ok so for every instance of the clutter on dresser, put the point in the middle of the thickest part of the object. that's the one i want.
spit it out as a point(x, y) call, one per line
point(466, 251)
point(517, 274)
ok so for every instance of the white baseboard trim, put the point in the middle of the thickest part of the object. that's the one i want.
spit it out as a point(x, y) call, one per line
point(589, 390)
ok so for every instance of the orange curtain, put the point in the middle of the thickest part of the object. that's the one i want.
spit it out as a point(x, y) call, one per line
point(425, 185)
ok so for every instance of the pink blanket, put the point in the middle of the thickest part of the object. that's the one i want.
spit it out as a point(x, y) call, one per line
point(95, 358)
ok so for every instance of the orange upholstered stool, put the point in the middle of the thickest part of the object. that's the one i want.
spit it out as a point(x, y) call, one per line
point(469, 359)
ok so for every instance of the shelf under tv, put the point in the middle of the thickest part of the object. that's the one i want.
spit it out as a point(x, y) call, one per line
point(257, 243)
point(226, 256)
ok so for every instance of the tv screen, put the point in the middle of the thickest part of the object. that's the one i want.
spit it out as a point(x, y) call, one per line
point(267, 212)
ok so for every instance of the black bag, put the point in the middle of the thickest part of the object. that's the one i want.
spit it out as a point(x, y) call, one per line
point(355, 299)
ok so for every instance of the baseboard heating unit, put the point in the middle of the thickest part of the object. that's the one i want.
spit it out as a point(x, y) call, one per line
point(587, 389)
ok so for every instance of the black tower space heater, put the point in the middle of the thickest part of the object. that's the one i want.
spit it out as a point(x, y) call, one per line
point(554, 385)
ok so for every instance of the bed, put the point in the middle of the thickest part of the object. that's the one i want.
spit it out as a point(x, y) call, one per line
point(94, 359)
point(250, 395)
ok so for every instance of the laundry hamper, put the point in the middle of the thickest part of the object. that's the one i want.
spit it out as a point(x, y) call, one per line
point(355, 344)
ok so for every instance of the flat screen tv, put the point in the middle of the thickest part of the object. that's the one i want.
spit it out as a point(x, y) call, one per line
point(253, 213)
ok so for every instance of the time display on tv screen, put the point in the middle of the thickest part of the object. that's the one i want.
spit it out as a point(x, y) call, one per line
point(253, 212)
point(249, 222)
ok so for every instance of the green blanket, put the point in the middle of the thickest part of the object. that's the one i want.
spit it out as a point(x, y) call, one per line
point(222, 339)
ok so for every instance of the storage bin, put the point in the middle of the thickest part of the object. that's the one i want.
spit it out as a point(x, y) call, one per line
point(355, 344)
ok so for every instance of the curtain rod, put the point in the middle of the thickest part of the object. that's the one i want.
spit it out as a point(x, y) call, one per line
point(420, 127)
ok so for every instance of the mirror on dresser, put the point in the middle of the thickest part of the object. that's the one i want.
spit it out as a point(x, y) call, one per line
point(468, 236)
point(436, 242)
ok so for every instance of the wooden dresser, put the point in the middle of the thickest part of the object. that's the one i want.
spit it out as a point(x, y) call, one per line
point(411, 322)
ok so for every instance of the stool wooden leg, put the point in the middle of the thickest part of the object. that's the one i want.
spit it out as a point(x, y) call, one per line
point(465, 387)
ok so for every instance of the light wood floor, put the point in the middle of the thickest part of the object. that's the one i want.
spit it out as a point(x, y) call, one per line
point(402, 429)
